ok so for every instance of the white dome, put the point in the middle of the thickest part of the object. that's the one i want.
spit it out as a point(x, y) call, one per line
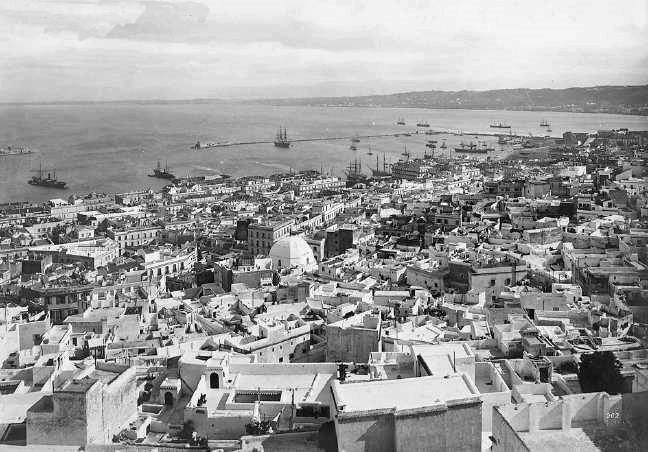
point(292, 251)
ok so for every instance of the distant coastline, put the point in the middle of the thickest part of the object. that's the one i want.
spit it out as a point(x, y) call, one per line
point(625, 100)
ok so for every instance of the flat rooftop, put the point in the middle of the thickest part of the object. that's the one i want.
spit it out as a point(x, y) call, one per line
point(404, 394)
point(594, 437)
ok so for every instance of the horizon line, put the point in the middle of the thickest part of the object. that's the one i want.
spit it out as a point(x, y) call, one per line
point(245, 99)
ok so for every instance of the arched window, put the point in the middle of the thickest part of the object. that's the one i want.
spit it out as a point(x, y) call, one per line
point(213, 380)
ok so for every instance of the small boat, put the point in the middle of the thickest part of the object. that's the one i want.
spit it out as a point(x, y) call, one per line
point(353, 147)
point(549, 130)
point(443, 145)
point(422, 124)
point(400, 122)
point(500, 125)
point(407, 134)
point(355, 139)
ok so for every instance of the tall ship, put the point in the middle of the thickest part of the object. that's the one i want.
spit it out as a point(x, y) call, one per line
point(401, 121)
point(470, 149)
point(15, 150)
point(443, 145)
point(378, 172)
point(50, 181)
point(281, 140)
point(500, 125)
point(544, 123)
point(354, 174)
point(162, 173)
point(422, 124)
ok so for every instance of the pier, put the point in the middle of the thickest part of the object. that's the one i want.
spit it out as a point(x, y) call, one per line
point(299, 140)
point(382, 135)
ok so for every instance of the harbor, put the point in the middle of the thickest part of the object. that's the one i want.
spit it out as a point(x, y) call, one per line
point(92, 160)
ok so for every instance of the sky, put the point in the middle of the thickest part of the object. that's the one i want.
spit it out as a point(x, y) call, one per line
point(75, 50)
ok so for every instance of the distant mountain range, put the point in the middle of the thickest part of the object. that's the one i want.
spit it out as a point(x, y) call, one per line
point(630, 100)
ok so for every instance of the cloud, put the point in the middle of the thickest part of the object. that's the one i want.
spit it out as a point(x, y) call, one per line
point(97, 49)
point(164, 21)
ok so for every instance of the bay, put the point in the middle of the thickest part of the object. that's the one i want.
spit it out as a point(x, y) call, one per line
point(112, 147)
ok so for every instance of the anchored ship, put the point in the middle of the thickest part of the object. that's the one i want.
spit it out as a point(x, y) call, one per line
point(354, 174)
point(11, 150)
point(162, 173)
point(400, 122)
point(384, 172)
point(281, 140)
point(544, 123)
point(500, 125)
point(50, 181)
point(422, 124)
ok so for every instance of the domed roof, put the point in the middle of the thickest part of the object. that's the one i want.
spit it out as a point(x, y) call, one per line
point(291, 251)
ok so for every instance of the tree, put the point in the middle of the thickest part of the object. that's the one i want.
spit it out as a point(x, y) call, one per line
point(600, 371)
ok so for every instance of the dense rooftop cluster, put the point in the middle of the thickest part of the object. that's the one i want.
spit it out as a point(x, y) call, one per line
point(466, 307)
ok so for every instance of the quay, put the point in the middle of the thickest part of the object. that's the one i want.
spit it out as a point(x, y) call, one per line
point(382, 135)
point(297, 140)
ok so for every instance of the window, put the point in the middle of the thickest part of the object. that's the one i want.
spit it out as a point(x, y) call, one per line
point(492, 283)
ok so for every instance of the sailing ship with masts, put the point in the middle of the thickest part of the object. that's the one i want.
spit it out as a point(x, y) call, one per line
point(354, 174)
point(381, 173)
point(281, 140)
